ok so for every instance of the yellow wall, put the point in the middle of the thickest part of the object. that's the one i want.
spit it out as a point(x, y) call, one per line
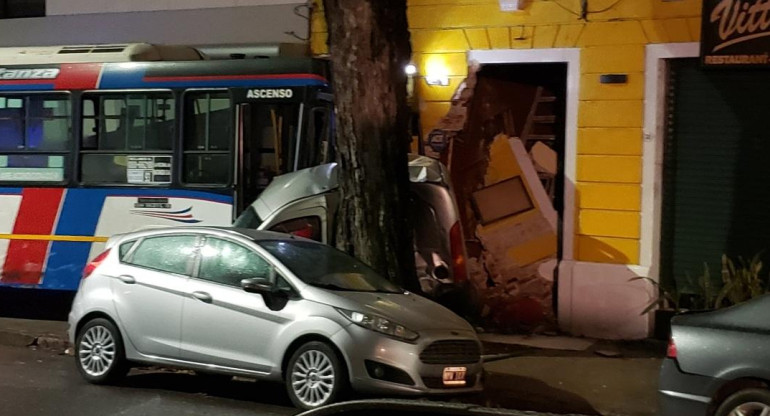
point(610, 116)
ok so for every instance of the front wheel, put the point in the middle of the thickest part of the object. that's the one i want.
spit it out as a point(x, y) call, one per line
point(749, 402)
point(315, 376)
point(99, 352)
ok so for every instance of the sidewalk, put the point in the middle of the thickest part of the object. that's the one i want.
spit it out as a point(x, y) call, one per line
point(549, 374)
point(27, 332)
point(573, 375)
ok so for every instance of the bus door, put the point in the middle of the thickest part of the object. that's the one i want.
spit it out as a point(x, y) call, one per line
point(277, 136)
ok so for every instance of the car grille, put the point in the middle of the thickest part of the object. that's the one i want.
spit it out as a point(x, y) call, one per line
point(451, 352)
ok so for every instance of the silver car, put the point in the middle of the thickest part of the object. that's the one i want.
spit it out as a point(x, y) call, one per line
point(265, 305)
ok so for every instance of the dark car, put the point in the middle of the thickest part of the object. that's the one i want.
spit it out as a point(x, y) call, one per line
point(718, 363)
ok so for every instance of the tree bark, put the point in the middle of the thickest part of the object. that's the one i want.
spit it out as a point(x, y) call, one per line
point(369, 47)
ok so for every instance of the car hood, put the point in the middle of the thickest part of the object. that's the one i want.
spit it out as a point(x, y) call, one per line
point(748, 315)
point(410, 310)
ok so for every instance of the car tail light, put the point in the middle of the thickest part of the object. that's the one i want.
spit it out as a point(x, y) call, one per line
point(457, 245)
point(305, 232)
point(671, 350)
point(93, 264)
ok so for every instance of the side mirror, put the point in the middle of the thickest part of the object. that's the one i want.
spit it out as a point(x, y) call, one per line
point(260, 284)
point(257, 285)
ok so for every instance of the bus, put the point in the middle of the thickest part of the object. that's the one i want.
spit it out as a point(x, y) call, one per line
point(97, 140)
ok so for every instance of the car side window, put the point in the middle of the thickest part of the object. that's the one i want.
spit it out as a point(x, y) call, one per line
point(171, 253)
point(228, 263)
point(125, 248)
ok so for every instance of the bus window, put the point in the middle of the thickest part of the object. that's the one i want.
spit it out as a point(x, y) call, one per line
point(36, 122)
point(127, 138)
point(34, 137)
point(128, 121)
point(208, 134)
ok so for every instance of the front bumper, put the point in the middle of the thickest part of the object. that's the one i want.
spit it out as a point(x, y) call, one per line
point(680, 393)
point(360, 345)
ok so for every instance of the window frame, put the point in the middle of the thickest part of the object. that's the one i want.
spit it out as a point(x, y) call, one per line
point(183, 138)
point(78, 144)
point(67, 153)
point(192, 263)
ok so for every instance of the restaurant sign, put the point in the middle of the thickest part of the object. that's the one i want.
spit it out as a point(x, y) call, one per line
point(736, 33)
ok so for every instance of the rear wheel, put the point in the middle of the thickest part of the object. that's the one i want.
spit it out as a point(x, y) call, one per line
point(315, 376)
point(99, 352)
point(749, 402)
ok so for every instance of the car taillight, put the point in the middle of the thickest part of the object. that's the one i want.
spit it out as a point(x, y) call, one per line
point(671, 350)
point(305, 232)
point(457, 245)
point(93, 264)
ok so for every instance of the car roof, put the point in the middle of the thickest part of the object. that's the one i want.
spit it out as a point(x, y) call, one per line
point(244, 232)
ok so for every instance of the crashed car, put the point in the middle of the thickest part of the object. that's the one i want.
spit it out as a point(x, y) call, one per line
point(304, 203)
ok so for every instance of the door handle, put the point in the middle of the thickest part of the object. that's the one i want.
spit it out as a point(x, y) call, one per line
point(202, 296)
point(129, 280)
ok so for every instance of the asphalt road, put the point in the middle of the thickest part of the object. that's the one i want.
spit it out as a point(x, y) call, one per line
point(42, 383)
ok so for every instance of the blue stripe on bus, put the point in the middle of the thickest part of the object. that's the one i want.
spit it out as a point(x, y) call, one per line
point(274, 83)
point(66, 260)
point(10, 191)
point(121, 79)
point(78, 216)
point(26, 87)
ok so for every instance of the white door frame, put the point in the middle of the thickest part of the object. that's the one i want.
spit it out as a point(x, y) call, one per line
point(656, 83)
point(570, 56)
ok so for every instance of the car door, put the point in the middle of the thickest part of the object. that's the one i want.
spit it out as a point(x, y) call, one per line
point(149, 290)
point(222, 324)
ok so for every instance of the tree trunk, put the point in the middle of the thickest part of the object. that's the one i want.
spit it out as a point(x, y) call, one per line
point(369, 47)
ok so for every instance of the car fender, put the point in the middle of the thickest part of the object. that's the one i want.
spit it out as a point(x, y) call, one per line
point(318, 326)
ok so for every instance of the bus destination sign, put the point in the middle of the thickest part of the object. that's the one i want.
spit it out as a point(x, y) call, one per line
point(735, 33)
point(268, 94)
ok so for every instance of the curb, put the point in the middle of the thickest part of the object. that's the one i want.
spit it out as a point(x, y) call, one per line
point(20, 339)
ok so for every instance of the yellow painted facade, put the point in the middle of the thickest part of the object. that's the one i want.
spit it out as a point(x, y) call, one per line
point(610, 117)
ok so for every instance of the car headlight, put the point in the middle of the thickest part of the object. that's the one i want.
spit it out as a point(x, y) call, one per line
point(380, 324)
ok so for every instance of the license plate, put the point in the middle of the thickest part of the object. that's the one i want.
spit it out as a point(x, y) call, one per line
point(454, 376)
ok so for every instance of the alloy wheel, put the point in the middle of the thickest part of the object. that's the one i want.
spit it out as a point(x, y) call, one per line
point(751, 409)
point(96, 351)
point(312, 378)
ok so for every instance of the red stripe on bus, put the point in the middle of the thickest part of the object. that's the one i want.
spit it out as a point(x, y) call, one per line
point(78, 76)
point(25, 259)
point(234, 77)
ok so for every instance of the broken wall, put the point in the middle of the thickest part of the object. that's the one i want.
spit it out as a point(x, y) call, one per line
point(508, 215)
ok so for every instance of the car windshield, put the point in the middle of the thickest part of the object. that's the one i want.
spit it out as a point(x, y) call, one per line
point(326, 267)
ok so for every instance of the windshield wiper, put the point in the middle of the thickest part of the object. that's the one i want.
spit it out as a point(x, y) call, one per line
point(332, 286)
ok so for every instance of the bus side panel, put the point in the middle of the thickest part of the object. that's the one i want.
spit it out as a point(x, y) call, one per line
point(85, 218)
point(123, 212)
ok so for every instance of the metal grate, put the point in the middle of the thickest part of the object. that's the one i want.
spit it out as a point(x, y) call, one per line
point(451, 352)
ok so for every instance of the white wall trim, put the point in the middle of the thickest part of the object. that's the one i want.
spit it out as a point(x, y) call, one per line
point(652, 150)
point(570, 56)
